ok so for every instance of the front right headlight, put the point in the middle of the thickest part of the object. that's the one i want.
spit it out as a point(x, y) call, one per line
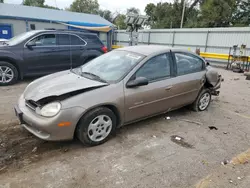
point(51, 109)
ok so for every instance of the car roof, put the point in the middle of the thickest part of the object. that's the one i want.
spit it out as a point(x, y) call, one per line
point(147, 49)
point(65, 31)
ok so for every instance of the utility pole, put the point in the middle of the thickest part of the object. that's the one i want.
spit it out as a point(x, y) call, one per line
point(183, 13)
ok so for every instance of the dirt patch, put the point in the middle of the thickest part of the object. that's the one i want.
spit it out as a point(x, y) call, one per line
point(18, 148)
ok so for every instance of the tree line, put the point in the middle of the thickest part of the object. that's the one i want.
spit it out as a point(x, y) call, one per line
point(198, 13)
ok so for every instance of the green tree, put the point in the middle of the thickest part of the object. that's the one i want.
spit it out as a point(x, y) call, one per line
point(241, 15)
point(35, 3)
point(119, 21)
point(217, 13)
point(199, 13)
point(1, 1)
point(150, 11)
point(51, 7)
point(85, 6)
point(192, 19)
point(38, 3)
point(168, 15)
point(106, 14)
point(164, 15)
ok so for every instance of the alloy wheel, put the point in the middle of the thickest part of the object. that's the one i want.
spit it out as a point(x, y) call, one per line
point(204, 101)
point(6, 74)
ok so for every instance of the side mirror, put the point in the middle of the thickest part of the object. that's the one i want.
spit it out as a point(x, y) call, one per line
point(140, 81)
point(30, 44)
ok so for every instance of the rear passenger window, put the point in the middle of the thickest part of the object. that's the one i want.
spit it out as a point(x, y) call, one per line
point(76, 40)
point(65, 39)
point(187, 63)
point(93, 39)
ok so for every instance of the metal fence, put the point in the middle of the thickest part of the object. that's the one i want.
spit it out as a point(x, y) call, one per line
point(214, 40)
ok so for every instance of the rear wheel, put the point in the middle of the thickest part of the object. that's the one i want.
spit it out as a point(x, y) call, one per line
point(203, 100)
point(96, 126)
point(8, 73)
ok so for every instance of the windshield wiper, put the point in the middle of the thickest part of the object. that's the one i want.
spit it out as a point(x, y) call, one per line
point(94, 76)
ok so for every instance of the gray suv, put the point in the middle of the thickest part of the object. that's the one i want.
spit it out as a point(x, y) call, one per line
point(41, 52)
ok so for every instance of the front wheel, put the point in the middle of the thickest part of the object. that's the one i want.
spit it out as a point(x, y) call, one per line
point(203, 100)
point(96, 126)
point(8, 73)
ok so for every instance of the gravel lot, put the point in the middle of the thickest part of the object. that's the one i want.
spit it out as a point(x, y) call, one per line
point(141, 154)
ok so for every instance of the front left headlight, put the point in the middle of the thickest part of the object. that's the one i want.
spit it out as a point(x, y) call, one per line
point(51, 109)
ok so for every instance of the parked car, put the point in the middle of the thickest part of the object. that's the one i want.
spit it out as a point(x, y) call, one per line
point(41, 52)
point(115, 89)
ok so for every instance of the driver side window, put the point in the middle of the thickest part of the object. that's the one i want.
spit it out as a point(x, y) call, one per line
point(155, 68)
point(45, 40)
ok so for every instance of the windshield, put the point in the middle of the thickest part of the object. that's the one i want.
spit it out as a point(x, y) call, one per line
point(20, 38)
point(112, 66)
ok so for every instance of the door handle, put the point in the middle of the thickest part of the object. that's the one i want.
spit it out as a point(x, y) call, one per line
point(168, 88)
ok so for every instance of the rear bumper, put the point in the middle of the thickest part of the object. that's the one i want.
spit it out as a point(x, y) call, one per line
point(47, 128)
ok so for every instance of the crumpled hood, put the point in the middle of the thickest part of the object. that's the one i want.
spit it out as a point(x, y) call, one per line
point(58, 84)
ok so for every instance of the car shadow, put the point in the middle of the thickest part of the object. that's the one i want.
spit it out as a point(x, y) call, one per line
point(29, 79)
point(19, 147)
point(184, 111)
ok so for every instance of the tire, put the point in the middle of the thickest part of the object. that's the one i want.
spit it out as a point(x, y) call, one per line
point(11, 70)
point(95, 123)
point(197, 106)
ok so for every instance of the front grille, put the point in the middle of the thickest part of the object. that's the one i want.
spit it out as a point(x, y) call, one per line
point(31, 104)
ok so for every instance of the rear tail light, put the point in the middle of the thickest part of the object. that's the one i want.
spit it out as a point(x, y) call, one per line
point(104, 49)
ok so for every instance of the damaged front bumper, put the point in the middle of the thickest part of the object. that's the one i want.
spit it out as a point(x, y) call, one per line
point(48, 128)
